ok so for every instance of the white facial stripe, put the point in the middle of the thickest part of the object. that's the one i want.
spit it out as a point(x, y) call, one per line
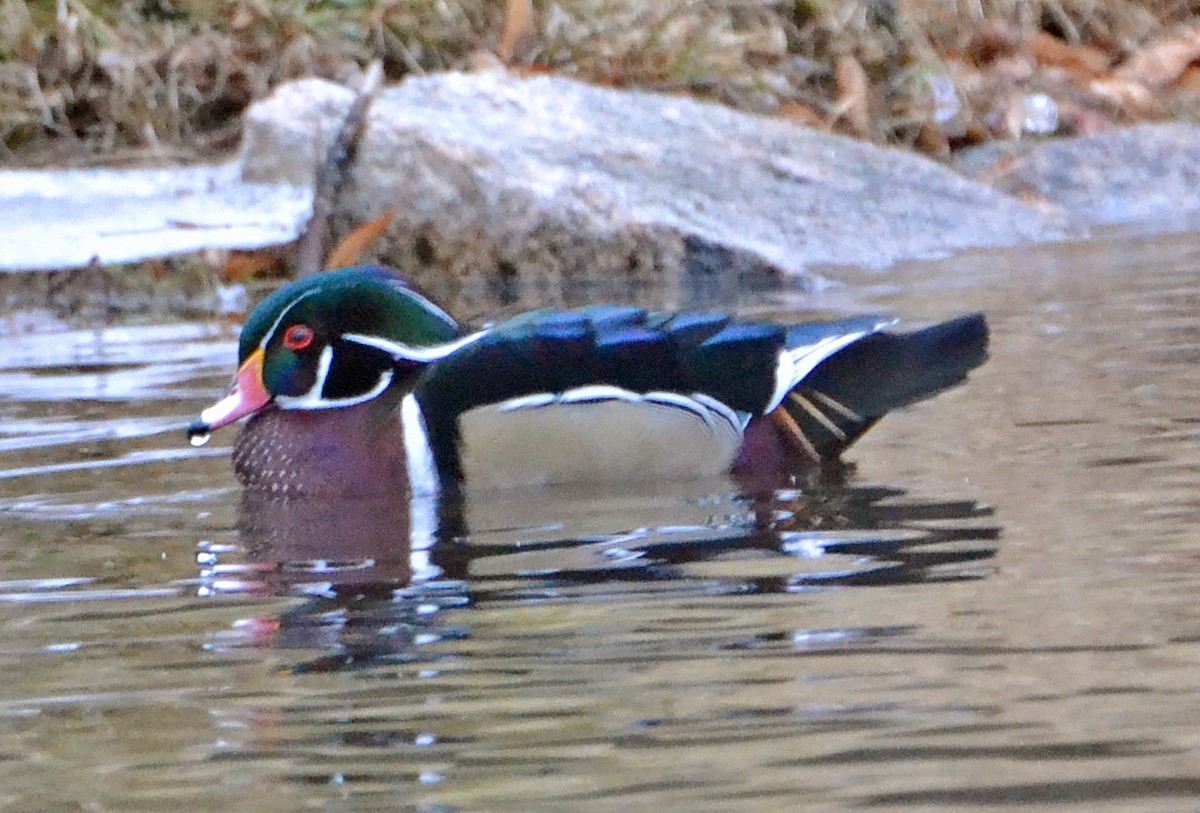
point(313, 400)
point(430, 306)
point(283, 315)
point(400, 350)
point(313, 396)
point(408, 291)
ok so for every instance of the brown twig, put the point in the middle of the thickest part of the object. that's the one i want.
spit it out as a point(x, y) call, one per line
point(331, 175)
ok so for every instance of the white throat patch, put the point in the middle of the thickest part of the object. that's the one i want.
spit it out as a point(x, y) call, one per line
point(400, 350)
point(313, 400)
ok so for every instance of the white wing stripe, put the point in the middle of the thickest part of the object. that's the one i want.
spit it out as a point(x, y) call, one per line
point(794, 363)
point(785, 379)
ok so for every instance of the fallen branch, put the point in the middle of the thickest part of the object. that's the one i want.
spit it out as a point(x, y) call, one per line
point(331, 175)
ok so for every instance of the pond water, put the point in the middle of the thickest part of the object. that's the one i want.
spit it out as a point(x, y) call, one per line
point(997, 607)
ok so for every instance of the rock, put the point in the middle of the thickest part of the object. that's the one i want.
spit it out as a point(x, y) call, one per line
point(545, 190)
point(1148, 174)
point(66, 218)
point(286, 135)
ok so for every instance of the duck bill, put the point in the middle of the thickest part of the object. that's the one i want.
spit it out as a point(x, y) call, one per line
point(247, 396)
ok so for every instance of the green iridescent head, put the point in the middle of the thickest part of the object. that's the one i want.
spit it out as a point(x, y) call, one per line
point(334, 339)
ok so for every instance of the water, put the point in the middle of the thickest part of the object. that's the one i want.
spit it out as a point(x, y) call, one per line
point(996, 608)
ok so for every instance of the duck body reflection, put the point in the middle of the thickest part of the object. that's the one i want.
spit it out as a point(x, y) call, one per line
point(379, 588)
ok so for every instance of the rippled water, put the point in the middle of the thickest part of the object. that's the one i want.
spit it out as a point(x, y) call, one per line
point(997, 608)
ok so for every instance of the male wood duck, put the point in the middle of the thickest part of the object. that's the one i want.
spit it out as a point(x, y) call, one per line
point(357, 384)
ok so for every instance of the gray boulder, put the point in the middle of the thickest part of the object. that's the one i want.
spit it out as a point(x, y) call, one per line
point(545, 190)
point(1149, 174)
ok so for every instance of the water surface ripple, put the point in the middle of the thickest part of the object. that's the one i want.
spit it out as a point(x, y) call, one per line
point(994, 609)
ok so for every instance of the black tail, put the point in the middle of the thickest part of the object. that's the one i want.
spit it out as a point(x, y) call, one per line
point(852, 389)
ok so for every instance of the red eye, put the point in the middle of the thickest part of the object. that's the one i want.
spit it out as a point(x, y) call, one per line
point(297, 337)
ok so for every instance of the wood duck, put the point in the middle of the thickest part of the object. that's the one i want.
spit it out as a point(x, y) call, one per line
point(356, 384)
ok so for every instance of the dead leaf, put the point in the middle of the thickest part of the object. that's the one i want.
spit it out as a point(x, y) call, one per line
point(1132, 99)
point(801, 113)
point(243, 265)
point(157, 269)
point(518, 25)
point(932, 141)
point(1161, 62)
point(242, 18)
point(1031, 197)
point(1009, 114)
point(1189, 81)
point(1082, 121)
point(994, 40)
point(356, 242)
point(854, 96)
point(1082, 61)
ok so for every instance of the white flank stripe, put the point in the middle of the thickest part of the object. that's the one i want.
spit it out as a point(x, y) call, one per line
point(598, 392)
point(579, 395)
point(738, 422)
point(705, 407)
point(677, 400)
point(422, 475)
point(423, 568)
point(694, 405)
point(538, 399)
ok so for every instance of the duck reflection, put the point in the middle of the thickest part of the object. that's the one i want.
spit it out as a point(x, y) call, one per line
point(383, 579)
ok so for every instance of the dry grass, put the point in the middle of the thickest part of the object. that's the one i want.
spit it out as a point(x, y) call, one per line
point(82, 79)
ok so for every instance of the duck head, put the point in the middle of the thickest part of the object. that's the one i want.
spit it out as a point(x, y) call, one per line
point(332, 340)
